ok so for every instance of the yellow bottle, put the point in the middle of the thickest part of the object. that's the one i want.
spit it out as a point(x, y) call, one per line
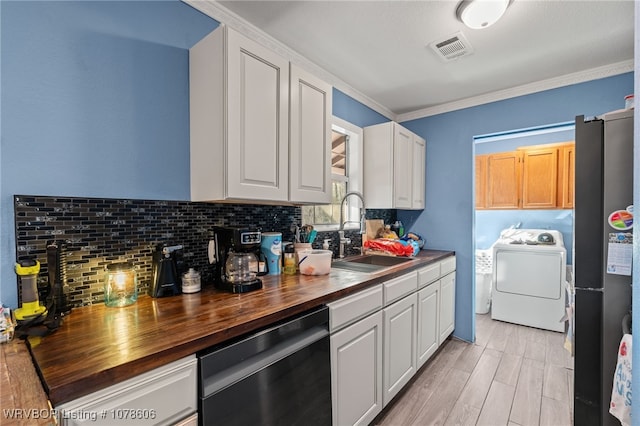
point(289, 266)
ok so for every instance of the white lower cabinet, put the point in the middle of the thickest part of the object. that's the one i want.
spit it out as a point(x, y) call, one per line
point(428, 322)
point(356, 372)
point(382, 335)
point(447, 306)
point(164, 396)
point(399, 359)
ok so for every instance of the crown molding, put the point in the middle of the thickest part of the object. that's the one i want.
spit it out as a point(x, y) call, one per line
point(526, 89)
point(225, 16)
point(221, 14)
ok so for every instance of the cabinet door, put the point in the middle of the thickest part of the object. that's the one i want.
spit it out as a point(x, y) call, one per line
point(310, 138)
point(481, 181)
point(378, 165)
point(503, 180)
point(402, 164)
point(539, 178)
point(257, 114)
point(418, 180)
point(356, 372)
point(566, 176)
point(447, 306)
point(428, 325)
point(399, 360)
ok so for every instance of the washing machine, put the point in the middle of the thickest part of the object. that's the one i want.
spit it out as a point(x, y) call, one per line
point(529, 273)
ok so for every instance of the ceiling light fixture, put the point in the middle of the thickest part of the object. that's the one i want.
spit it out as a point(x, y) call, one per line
point(479, 14)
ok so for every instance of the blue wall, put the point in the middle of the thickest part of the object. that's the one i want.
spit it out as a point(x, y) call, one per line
point(95, 102)
point(95, 99)
point(448, 219)
point(354, 112)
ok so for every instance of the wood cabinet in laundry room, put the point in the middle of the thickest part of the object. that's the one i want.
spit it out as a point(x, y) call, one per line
point(503, 180)
point(539, 178)
point(530, 177)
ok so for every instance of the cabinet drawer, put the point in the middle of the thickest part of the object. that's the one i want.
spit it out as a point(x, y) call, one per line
point(428, 275)
point(352, 308)
point(162, 396)
point(448, 265)
point(399, 287)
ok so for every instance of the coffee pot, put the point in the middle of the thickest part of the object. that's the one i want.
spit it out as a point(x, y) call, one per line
point(234, 254)
point(241, 267)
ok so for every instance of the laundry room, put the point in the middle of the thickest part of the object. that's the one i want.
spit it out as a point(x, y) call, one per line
point(524, 187)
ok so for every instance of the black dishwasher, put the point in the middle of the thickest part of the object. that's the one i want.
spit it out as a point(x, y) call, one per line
point(277, 376)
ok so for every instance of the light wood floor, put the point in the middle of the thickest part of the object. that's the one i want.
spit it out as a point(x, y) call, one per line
point(512, 375)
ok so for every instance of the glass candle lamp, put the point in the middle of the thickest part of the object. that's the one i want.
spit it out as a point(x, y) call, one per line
point(120, 285)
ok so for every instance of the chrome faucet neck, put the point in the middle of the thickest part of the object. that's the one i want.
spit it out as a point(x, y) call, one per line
point(362, 211)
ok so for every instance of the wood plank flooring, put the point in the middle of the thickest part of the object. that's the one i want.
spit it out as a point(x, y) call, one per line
point(513, 376)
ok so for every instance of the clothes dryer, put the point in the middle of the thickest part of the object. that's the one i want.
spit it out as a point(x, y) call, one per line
point(529, 274)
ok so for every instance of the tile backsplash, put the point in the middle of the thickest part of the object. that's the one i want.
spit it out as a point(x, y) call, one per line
point(97, 231)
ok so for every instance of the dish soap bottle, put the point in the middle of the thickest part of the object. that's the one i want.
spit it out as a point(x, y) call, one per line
point(398, 227)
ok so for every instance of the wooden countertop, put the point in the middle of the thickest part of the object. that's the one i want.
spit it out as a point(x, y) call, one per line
point(99, 346)
point(22, 398)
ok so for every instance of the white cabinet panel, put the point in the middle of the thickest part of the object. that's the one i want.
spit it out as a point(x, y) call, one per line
point(399, 359)
point(243, 105)
point(378, 166)
point(448, 265)
point(428, 274)
point(394, 167)
point(163, 396)
point(310, 138)
point(352, 308)
point(356, 372)
point(419, 177)
point(447, 305)
point(399, 287)
point(402, 173)
point(257, 149)
point(428, 322)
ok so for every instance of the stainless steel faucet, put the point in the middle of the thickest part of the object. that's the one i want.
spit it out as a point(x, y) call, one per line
point(363, 226)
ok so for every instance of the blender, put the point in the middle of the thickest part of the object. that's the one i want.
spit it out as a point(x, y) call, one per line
point(31, 308)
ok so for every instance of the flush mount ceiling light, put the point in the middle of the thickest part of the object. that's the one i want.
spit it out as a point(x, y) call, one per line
point(479, 14)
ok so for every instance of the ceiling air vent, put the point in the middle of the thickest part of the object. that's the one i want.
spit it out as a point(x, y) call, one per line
point(453, 47)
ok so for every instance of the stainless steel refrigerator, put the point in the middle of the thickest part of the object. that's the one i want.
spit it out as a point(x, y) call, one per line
point(602, 257)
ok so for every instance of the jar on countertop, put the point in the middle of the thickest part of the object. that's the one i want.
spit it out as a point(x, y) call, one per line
point(191, 281)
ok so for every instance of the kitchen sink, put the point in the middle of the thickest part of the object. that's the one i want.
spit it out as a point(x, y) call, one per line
point(369, 263)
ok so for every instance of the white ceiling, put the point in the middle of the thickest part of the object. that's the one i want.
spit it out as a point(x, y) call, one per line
point(378, 51)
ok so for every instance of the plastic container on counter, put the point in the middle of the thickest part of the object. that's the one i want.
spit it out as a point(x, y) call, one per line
point(315, 262)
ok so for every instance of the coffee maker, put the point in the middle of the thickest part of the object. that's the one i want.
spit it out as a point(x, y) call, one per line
point(234, 253)
point(167, 268)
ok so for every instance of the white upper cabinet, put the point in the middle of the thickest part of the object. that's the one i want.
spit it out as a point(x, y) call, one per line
point(240, 121)
point(394, 167)
point(309, 138)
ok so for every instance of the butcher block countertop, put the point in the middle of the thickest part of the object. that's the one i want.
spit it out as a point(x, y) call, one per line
point(98, 346)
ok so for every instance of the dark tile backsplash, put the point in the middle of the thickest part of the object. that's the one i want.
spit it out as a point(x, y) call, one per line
point(96, 231)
